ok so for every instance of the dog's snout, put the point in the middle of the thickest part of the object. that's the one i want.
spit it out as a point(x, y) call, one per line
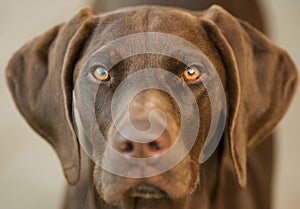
point(150, 128)
point(131, 147)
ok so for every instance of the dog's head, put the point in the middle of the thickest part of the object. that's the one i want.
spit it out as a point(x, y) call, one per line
point(258, 78)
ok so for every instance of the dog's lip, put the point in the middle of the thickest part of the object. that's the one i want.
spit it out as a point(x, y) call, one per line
point(146, 191)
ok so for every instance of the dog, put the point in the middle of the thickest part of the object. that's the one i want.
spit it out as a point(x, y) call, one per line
point(259, 80)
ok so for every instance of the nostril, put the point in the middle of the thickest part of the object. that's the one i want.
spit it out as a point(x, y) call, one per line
point(154, 146)
point(126, 147)
point(136, 149)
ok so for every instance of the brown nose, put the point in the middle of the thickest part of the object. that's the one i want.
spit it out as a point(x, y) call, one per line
point(131, 148)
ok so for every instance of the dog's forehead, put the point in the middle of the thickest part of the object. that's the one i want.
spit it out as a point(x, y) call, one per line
point(114, 25)
point(151, 13)
point(122, 23)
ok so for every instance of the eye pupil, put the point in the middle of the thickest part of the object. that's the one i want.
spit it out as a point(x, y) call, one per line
point(191, 71)
point(101, 71)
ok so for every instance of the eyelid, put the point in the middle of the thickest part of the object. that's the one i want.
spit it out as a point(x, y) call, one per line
point(95, 66)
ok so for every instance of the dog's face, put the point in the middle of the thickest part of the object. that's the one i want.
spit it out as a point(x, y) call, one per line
point(75, 54)
point(182, 179)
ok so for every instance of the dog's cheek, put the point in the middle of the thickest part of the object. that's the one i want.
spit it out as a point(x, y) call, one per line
point(110, 187)
point(195, 175)
point(103, 185)
point(182, 180)
point(97, 174)
point(190, 171)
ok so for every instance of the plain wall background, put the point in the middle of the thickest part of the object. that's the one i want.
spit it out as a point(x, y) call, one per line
point(30, 174)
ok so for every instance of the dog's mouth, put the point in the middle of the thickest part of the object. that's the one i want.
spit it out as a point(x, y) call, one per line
point(146, 191)
point(145, 196)
point(162, 189)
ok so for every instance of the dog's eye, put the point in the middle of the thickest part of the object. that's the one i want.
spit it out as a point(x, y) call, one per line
point(101, 74)
point(191, 73)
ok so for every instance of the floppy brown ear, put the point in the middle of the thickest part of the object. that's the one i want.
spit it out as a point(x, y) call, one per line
point(261, 82)
point(39, 76)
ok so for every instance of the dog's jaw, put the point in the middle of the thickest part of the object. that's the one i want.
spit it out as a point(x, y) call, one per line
point(166, 188)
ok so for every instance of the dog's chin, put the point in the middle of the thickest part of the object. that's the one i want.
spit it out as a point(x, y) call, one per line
point(146, 191)
point(137, 202)
point(142, 196)
point(145, 195)
point(152, 192)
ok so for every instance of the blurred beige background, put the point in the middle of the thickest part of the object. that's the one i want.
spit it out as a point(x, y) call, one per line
point(30, 174)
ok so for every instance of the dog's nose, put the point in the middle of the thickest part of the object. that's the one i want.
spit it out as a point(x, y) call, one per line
point(132, 148)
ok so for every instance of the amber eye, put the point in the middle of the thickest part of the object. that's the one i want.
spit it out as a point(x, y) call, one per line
point(191, 73)
point(101, 74)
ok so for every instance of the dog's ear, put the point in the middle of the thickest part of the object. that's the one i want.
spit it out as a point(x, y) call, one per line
point(261, 82)
point(39, 76)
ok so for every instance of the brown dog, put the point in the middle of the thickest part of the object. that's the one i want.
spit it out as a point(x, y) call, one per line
point(259, 80)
